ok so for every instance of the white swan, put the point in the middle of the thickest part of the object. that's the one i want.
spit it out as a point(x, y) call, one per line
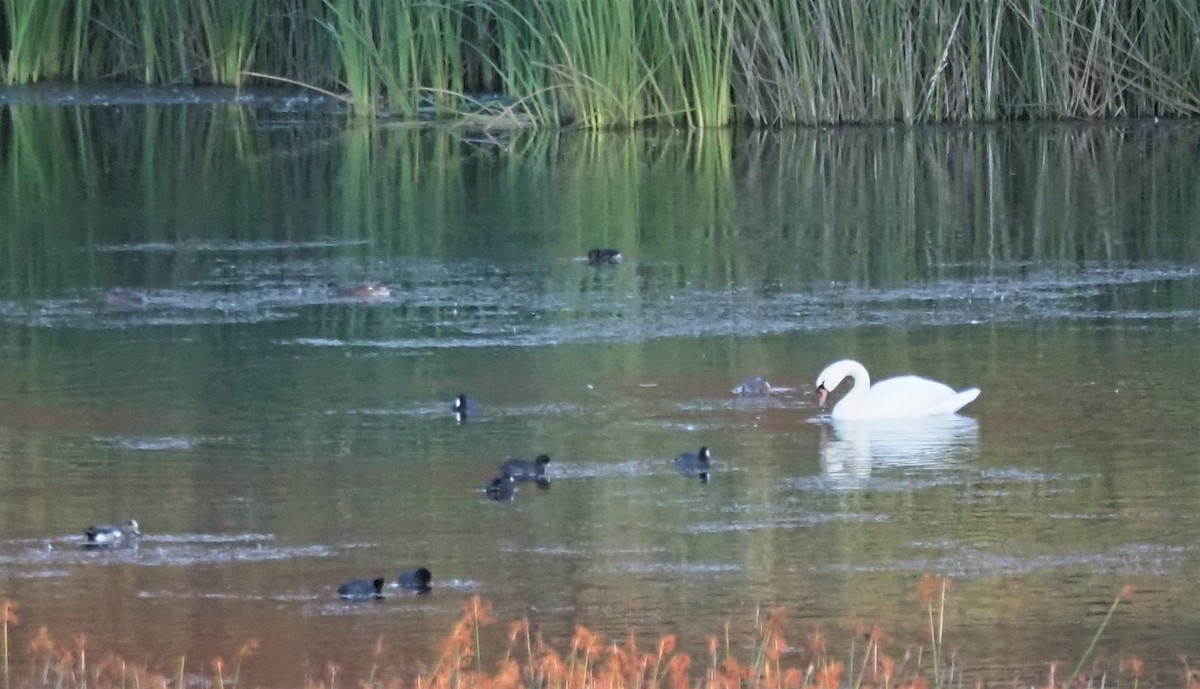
point(903, 397)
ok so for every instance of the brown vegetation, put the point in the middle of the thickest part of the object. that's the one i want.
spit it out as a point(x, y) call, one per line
point(589, 661)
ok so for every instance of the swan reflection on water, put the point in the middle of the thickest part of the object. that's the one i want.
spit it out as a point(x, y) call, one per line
point(851, 449)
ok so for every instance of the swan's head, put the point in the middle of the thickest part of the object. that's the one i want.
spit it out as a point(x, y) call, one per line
point(832, 376)
point(825, 384)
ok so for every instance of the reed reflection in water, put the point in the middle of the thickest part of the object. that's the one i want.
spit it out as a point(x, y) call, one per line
point(274, 438)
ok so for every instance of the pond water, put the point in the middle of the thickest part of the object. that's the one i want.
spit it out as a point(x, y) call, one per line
point(274, 438)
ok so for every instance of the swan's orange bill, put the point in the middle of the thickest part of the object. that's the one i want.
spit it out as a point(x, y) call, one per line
point(822, 393)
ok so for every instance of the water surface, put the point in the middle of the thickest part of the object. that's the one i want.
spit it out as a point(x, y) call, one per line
point(274, 438)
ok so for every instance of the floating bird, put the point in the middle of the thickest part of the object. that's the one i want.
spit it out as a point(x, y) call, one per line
point(358, 590)
point(753, 387)
point(416, 580)
point(604, 257)
point(121, 298)
point(903, 397)
point(365, 291)
point(501, 488)
point(110, 536)
point(525, 470)
point(464, 406)
point(694, 464)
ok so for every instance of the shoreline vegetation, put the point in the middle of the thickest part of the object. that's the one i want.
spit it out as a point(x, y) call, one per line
point(873, 661)
point(602, 65)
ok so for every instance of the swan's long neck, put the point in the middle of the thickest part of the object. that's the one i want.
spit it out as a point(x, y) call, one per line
point(862, 384)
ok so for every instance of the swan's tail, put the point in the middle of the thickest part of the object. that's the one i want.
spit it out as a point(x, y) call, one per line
point(963, 398)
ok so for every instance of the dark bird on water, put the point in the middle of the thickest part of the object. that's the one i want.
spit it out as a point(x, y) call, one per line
point(111, 536)
point(464, 406)
point(604, 257)
point(361, 590)
point(525, 470)
point(416, 580)
point(695, 464)
point(501, 488)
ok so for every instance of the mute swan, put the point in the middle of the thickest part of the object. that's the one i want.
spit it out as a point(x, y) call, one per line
point(902, 397)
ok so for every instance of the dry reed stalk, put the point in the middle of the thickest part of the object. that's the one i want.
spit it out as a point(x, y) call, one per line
point(589, 662)
point(8, 616)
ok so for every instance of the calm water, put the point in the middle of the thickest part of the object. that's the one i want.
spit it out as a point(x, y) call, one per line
point(274, 438)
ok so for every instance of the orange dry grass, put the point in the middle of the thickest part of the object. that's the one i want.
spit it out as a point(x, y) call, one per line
point(591, 662)
point(64, 665)
point(588, 662)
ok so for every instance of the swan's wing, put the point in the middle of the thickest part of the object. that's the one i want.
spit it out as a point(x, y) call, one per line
point(908, 396)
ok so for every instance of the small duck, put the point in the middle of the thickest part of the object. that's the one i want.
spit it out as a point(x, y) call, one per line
point(753, 387)
point(121, 298)
point(416, 580)
point(357, 590)
point(111, 536)
point(501, 488)
point(525, 470)
point(604, 257)
point(694, 464)
point(464, 406)
point(365, 291)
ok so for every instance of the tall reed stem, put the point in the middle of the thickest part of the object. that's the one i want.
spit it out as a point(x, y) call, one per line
point(699, 63)
point(1126, 593)
point(7, 616)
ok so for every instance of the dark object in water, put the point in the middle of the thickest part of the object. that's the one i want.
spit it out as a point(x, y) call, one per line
point(365, 291)
point(753, 387)
point(110, 536)
point(121, 298)
point(358, 590)
point(694, 464)
point(525, 470)
point(416, 580)
point(501, 488)
point(464, 406)
point(604, 257)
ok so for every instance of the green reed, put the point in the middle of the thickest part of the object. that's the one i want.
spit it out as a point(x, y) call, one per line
point(692, 52)
point(593, 58)
point(399, 55)
point(45, 39)
point(230, 29)
point(615, 64)
point(1125, 594)
point(350, 30)
point(160, 49)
